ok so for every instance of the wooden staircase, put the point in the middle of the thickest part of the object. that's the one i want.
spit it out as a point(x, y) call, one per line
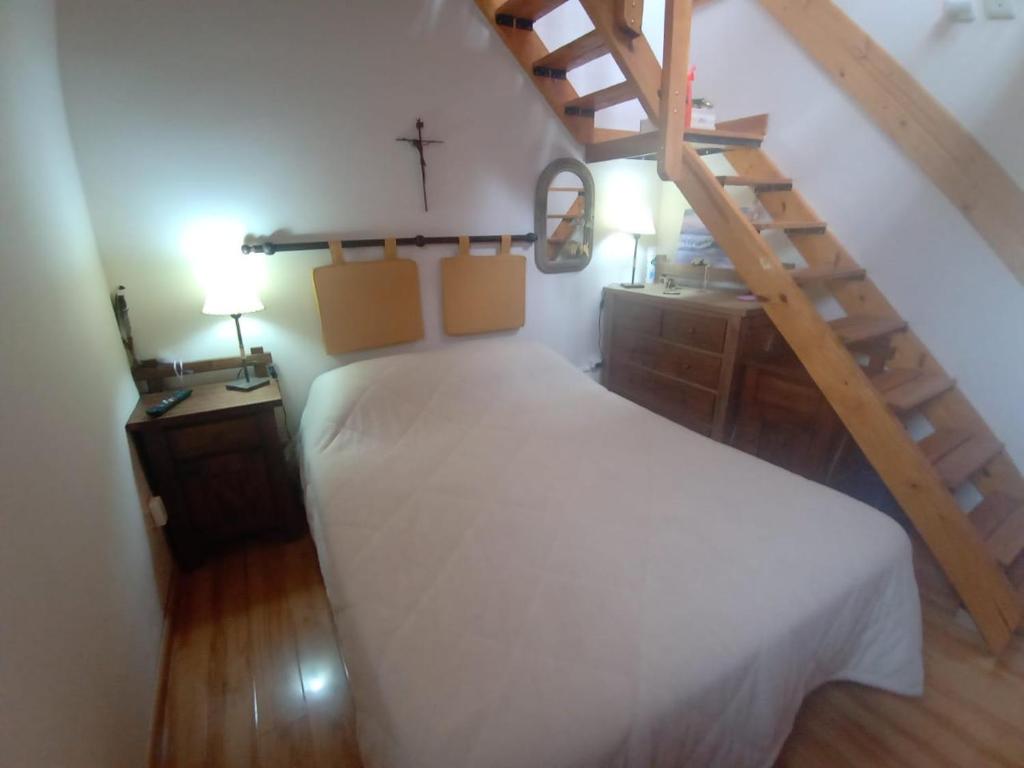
point(872, 368)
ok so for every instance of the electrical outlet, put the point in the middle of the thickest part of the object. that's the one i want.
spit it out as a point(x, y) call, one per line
point(1000, 9)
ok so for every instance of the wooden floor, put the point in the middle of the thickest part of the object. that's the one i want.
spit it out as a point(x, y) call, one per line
point(255, 679)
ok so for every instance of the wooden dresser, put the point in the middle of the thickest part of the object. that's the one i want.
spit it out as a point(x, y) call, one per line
point(717, 366)
point(681, 355)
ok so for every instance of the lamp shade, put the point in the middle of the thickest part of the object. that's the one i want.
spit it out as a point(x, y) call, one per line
point(232, 292)
point(634, 219)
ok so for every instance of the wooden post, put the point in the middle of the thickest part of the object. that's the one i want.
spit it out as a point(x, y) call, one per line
point(676, 62)
point(629, 15)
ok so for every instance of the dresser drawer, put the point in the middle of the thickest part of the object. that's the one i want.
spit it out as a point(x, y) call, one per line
point(683, 403)
point(694, 330)
point(225, 436)
point(669, 359)
point(638, 317)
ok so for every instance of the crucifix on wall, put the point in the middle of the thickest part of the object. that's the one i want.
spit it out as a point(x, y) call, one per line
point(419, 143)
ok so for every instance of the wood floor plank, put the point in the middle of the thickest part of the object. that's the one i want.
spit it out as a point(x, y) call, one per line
point(283, 735)
point(324, 681)
point(262, 616)
point(231, 736)
point(187, 702)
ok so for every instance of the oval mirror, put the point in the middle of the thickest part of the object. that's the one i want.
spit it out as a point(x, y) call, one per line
point(564, 217)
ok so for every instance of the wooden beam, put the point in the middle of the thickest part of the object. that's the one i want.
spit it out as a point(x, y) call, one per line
point(954, 160)
point(751, 124)
point(629, 15)
point(676, 63)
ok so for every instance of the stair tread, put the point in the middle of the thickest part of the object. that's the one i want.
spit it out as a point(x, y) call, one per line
point(646, 145)
point(791, 225)
point(576, 53)
point(856, 329)
point(1007, 541)
point(709, 136)
point(764, 183)
point(1015, 573)
point(528, 9)
point(990, 513)
point(906, 389)
point(957, 466)
point(895, 377)
point(604, 98)
point(942, 441)
point(807, 275)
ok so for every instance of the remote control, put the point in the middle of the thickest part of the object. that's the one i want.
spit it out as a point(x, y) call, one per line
point(168, 402)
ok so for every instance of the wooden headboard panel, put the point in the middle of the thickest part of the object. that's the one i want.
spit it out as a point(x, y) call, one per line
point(483, 293)
point(367, 304)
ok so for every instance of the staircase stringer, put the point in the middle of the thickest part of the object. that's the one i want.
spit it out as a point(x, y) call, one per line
point(982, 585)
point(951, 410)
point(914, 482)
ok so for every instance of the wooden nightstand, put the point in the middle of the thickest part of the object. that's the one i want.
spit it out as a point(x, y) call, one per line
point(217, 461)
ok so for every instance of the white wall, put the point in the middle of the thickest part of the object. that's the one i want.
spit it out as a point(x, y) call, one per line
point(283, 117)
point(934, 267)
point(930, 262)
point(974, 69)
point(80, 587)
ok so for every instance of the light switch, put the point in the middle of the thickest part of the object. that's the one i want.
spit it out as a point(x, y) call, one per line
point(1000, 9)
point(960, 10)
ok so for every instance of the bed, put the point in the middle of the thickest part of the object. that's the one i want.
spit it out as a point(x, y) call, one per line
point(527, 570)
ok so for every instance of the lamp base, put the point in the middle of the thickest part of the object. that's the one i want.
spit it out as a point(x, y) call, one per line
point(241, 385)
point(632, 285)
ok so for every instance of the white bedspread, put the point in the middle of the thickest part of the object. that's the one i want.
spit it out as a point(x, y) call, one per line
point(527, 570)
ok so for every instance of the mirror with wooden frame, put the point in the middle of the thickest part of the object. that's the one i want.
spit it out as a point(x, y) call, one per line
point(564, 217)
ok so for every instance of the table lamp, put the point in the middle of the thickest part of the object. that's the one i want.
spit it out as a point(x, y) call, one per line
point(637, 221)
point(235, 296)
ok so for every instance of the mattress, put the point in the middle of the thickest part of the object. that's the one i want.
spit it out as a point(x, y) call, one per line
point(527, 570)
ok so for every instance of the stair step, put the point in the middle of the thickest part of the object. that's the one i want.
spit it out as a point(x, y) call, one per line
point(792, 226)
point(990, 513)
point(1015, 573)
point(857, 329)
point(723, 138)
point(571, 55)
point(602, 99)
point(960, 464)
point(808, 275)
point(1007, 541)
point(906, 389)
point(646, 145)
point(941, 442)
point(759, 184)
point(527, 10)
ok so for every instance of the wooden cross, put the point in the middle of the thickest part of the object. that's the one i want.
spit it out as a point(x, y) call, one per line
point(419, 142)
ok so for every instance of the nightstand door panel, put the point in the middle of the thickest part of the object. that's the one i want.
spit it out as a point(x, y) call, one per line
point(227, 496)
point(215, 437)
